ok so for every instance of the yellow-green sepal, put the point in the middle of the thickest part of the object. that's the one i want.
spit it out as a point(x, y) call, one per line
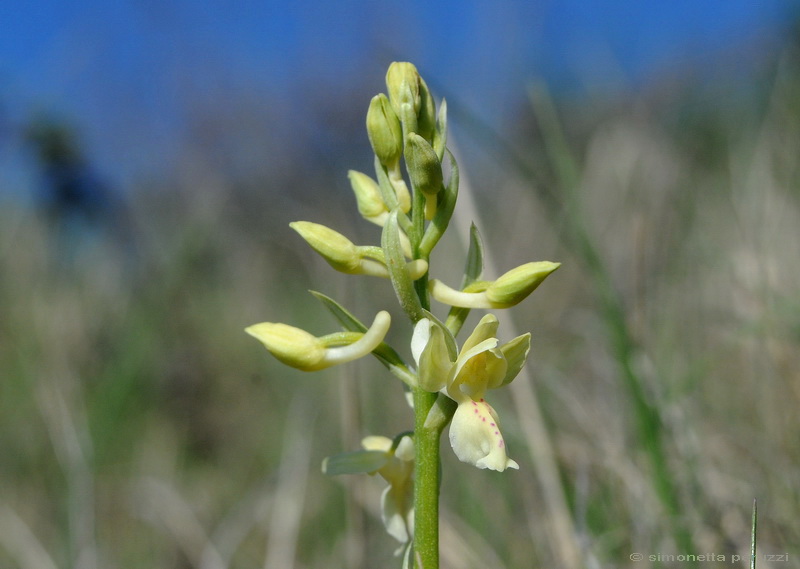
point(516, 353)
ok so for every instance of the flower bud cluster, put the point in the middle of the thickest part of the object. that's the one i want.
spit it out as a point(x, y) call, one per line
point(404, 123)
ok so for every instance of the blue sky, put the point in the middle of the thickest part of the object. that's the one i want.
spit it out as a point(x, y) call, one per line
point(99, 63)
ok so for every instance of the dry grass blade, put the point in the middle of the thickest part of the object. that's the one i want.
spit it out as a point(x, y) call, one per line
point(285, 519)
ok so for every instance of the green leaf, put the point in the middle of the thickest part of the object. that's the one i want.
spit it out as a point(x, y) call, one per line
point(357, 462)
point(474, 267)
point(753, 536)
point(344, 317)
point(384, 352)
point(440, 134)
point(387, 191)
point(398, 273)
point(472, 273)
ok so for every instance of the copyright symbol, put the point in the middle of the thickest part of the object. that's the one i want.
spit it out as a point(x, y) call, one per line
point(636, 556)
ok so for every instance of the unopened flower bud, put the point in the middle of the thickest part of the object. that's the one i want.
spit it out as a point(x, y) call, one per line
point(368, 197)
point(343, 255)
point(299, 349)
point(510, 289)
point(424, 167)
point(292, 346)
point(518, 283)
point(384, 130)
point(402, 82)
point(424, 170)
point(334, 247)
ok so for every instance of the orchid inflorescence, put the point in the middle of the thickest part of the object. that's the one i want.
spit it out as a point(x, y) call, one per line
point(405, 124)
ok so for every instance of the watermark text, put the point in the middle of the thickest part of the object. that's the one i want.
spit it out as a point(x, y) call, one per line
point(705, 557)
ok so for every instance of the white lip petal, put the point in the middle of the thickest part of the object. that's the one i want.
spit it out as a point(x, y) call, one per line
point(476, 438)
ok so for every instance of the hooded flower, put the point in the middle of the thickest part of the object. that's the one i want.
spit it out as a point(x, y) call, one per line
point(465, 377)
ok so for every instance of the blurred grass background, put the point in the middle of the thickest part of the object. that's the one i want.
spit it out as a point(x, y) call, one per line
point(139, 425)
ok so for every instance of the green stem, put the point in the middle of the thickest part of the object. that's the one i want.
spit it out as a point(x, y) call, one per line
point(427, 475)
point(426, 484)
point(426, 439)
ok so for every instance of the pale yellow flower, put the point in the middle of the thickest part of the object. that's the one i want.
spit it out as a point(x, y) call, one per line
point(480, 365)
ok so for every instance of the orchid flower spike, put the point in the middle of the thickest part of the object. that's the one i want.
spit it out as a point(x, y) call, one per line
point(299, 349)
point(480, 365)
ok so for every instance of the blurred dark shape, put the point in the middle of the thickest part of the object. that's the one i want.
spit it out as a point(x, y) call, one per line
point(77, 204)
point(70, 190)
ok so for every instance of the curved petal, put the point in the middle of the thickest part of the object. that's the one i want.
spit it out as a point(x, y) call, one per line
point(476, 439)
